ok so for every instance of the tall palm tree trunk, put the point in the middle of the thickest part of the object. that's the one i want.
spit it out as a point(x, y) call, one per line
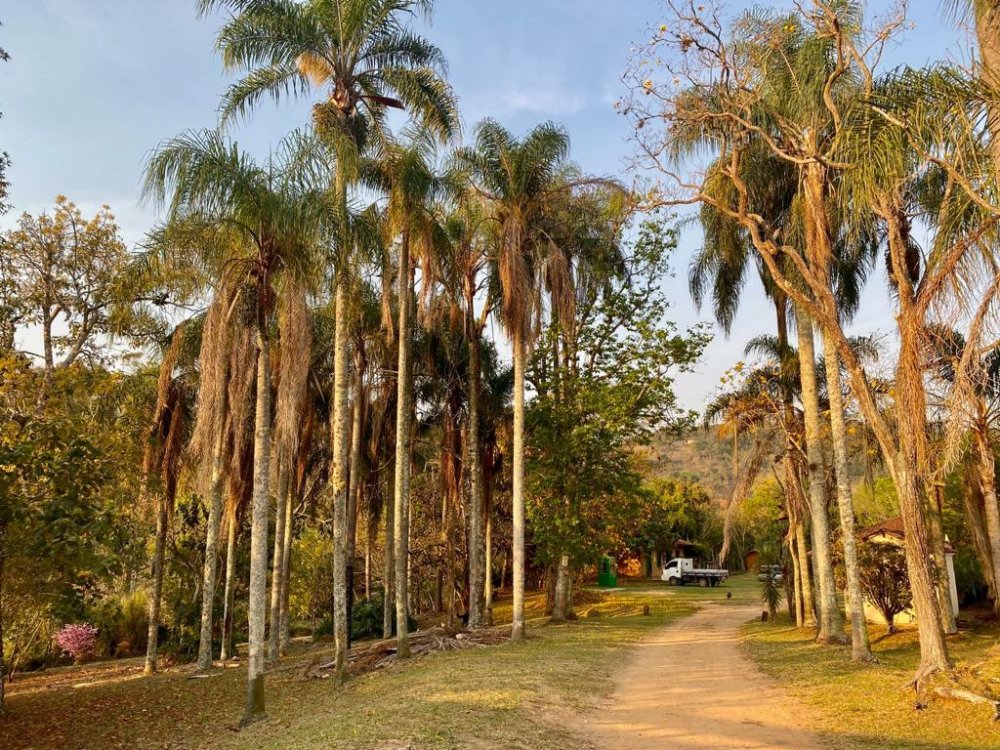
point(517, 627)
point(156, 595)
point(273, 640)
point(257, 607)
point(474, 464)
point(341, 426)
point(404, 407)
point(284, 619)
point(227, 591)
point(986, 466)
point(861, 649)
point(389, 567)
point(488, 552)
point(211, 556)
point(560, 605)
point(356, 484)
point(831, 626)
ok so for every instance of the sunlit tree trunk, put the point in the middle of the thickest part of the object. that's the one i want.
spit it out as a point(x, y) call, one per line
point(404, 407)
point(281, 505)
point(860, 644)
point(560, 604)
point(831, 627)
point(257, 607)
point(341, 423)
point(517, 627)
point(474, 465)
point(389, 567)
point(356, 481)
point(211, 556)
point(488, 553)
point(284, 618)
point(228, 588)
point(156, 594)
point(935, 535)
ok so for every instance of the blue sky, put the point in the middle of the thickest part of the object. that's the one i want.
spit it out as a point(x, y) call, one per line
point(93, 85)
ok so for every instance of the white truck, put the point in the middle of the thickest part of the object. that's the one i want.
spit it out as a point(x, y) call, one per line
point(681, 570)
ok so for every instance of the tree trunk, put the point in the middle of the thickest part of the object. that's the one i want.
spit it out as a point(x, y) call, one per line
point(935, 535)
point(831, 626)
point(284, 618)
point(156, 594)
point(3, 668)
point(404, 407)
point(975, 522)
point(211, 557)
point(281, 505)
point(488, 555)
point(797, 611)
point(560, 603)
point(341, 426)
point(860, 644)
point(474, 465)
point(257, 608)
point(356, 483)
point(227, 592)
point(517, 627)
point(389, 569)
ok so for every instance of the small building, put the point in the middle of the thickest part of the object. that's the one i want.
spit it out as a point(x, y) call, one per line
point(891, 532)
point(750, 559)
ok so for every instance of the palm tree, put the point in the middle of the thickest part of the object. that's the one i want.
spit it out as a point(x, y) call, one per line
point(515, 177)
point(164, 446)
point(362, 56)
point(465, 264)
point(719, 269)
point(270, 223)
point(405, 175)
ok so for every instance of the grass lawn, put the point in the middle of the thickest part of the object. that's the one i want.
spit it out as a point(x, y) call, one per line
point(867, 706)
point(505, 696)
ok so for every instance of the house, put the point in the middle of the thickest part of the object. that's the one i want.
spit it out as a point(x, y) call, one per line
point(891, 532)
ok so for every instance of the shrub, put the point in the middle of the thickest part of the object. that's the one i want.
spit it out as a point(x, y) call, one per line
point(122, 622)
point(771, 591)
point(79, 640)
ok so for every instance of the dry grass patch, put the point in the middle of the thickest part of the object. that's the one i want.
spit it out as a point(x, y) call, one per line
point(863, 707)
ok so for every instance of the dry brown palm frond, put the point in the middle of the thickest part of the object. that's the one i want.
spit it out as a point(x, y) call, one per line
point(315, 68)
point(754, 460)
point(213, 366)
point(559, 280)
point(969, 377)
point(295, 341)
point(240, 395)
point(515, 279)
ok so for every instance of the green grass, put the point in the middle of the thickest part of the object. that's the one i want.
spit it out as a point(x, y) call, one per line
point(510, 696)
point(860, 707)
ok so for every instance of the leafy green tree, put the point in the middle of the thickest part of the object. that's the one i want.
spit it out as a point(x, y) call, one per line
point(612, 390)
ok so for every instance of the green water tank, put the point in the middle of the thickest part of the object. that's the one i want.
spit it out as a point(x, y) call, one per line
point(606, 576)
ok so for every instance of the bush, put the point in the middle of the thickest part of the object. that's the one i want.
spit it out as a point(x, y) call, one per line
point(123, 623)
point(79, 640)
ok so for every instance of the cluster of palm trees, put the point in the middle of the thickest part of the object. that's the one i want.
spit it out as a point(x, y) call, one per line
point(820, 166)
point(388, 228)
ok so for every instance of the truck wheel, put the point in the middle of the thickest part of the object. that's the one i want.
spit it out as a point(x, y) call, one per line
point(671, 581)
point(703, 582)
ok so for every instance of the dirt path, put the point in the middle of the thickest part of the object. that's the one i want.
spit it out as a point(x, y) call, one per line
point(690, 688)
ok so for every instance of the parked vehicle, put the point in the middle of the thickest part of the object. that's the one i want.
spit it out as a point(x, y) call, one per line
point(681, 571)
point(770, 571)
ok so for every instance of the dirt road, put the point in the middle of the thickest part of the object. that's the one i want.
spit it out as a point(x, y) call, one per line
point(690, 688)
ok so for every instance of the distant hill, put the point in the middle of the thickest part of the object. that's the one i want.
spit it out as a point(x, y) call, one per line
point(701, 454)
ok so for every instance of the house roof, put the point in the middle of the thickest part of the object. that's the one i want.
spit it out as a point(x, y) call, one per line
point(893, 527)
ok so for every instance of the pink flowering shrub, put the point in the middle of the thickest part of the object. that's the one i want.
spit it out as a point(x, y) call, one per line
point(79, 640)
